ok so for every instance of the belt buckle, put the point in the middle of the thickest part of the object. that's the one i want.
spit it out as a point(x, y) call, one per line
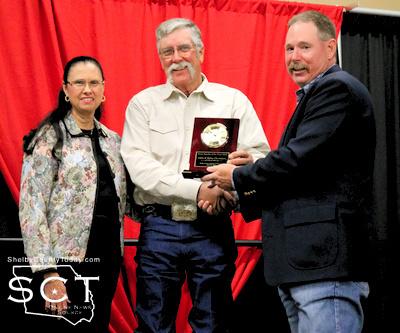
point(148, 210)
point(183, 211)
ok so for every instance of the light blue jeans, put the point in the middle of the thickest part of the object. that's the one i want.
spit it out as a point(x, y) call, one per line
point(325, 307)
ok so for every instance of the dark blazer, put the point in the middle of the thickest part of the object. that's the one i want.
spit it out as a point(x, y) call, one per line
point(314, 191)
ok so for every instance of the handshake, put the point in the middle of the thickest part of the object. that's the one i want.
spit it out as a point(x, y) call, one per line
point(215, 194)
point(214, 200)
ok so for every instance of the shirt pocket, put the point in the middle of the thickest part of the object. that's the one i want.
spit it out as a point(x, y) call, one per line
point(311, 236)
point(164, 139)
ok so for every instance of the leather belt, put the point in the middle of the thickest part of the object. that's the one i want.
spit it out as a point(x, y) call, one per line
point(163, 211)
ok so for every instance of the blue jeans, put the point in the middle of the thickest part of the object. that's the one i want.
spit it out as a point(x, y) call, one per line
point(325, 307)
point(204, 253)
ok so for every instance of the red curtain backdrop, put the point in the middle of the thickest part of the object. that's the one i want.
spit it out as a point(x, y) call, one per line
point(244, 48)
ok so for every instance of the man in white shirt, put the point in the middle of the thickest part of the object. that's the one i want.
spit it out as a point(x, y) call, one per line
point(156, 146)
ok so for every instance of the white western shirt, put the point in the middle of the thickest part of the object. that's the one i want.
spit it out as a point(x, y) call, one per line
point(157, 137)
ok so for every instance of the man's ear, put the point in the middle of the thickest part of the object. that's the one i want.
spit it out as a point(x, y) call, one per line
point(332, 46)
point(201, 55)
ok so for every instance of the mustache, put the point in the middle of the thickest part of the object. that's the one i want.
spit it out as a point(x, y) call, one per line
point(297, 66)
point(179, 66)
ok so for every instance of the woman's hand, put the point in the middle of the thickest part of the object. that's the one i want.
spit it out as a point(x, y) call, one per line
point(55, 290)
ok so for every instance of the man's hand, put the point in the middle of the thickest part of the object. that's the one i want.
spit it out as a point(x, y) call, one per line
point(220, 175)
point(214, 200)
point(240, 157)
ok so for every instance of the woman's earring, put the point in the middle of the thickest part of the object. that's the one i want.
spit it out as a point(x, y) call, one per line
point(66, 98)
point(103, 99)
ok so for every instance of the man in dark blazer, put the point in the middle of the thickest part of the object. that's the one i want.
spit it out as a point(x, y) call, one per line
point(314, 191)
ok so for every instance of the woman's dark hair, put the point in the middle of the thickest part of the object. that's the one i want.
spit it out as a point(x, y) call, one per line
point(63, 107)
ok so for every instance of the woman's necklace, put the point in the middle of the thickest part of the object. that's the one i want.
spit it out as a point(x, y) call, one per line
point(87, 132)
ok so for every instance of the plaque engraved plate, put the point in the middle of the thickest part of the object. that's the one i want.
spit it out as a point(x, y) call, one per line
point(212, 141)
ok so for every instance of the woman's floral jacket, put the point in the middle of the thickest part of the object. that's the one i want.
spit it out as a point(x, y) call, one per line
point(57, 198)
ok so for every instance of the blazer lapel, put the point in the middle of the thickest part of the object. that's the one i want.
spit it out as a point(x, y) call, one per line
point(296, 117)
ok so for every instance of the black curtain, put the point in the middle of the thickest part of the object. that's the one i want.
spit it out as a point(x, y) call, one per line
point(370, 51)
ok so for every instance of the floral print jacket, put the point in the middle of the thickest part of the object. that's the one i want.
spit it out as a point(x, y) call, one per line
point(57, 198)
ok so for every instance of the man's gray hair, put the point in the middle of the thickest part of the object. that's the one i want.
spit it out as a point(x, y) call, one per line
point(326, 29)
point(166, 27)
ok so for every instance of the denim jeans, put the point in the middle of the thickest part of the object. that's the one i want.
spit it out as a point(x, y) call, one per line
point(201, 251)
point(325, 307)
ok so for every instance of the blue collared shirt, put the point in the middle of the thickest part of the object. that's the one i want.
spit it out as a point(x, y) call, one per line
point(301, 92)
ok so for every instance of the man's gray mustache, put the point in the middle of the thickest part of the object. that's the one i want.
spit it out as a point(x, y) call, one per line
point(178, 66)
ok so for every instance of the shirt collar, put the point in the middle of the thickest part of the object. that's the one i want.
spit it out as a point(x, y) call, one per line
point(304, 90)
point(73, 129)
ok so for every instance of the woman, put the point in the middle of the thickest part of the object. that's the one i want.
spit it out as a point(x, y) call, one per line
point(72, 203)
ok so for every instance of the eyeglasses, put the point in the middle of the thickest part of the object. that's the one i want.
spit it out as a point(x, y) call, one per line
point(183, 50)
point(80, 84)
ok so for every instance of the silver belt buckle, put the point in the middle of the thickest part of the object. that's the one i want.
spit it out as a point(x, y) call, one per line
point(183, 211)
